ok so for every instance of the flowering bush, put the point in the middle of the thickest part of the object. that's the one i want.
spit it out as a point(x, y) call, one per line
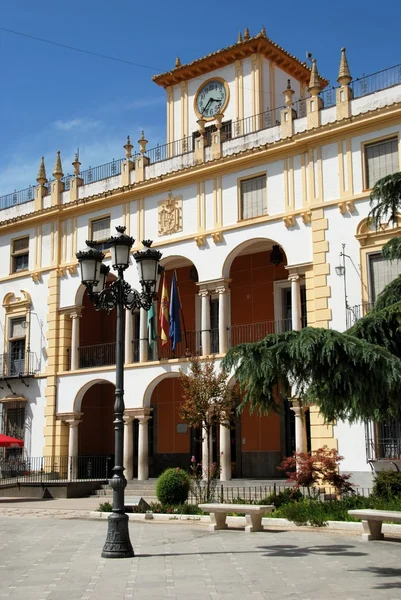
point(203, 481)
point(307, 469)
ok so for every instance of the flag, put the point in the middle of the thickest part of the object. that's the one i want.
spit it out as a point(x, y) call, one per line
point(163, 314)
point(151, 324)
point(175, 327)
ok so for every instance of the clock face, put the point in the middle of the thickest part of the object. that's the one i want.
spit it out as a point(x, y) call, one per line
point(211, 98)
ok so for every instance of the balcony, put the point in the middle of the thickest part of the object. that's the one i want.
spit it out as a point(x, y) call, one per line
point(356, 312)
point(15, 367)
point(97, 355)
point(255, 332)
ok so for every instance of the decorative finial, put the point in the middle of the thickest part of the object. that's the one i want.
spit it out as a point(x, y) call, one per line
point(41, 178)
point(76, 164)
point(142, 143)
point(128, 148)
point(314, 82)
point(246, 34)
point(177, 62)
point(288, 93)
point(344, 75)
point(58, 169)
point(263, 32)
point(239, 40)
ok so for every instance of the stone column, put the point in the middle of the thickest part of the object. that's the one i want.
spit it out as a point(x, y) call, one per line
point(143, 336)
point(205, 322)
point(129, 446)
point(143, 450)
point(300, 426)
point(75, 340)
point(129, 348)
point(223, 308)
point(225, 453)
point(73, 448)
point(296, 311)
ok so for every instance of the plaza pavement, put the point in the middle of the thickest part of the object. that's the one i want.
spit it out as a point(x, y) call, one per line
point(43, 557)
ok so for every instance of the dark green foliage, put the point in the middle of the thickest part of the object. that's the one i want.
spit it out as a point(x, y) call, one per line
point(387, 484)
point(173, 487)
point(385, 200)
point(328, 368)
point(281, 498)
point(392, 250)
point(178, 509)
point(391, 295)
point(105, 507)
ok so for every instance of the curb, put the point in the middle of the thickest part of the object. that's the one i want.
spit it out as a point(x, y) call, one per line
point(240, 522)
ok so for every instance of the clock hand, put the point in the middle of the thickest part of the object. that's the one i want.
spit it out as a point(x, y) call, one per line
point(207, 105)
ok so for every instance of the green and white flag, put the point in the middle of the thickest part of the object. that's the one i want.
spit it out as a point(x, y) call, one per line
point(152, 327)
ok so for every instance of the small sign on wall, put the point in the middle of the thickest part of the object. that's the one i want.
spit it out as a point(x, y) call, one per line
point(182, 428)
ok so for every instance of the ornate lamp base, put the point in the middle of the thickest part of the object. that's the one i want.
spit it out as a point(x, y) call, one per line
point(118, 544)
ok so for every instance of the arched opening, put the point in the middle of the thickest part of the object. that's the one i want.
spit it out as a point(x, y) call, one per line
point(170, 439)
point(189, 311)
point(97, 335)
point(96, 431)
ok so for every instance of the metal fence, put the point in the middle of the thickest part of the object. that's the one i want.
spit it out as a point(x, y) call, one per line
point(13, 364)
point(97, 355)
point(46, 469)
point(165, 151)
point(105, 171)
point(356, 312)
point(258, 493)
point(254, 332)
point(264, 120)
point(381, 80)
point(17, 197)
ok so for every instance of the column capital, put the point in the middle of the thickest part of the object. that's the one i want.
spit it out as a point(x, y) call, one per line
point(203, 292)
point(297, 408)
point(294, 277)
point(142, 414)
point(70, 418)
point(76, 313)
point(214, 285)
point(128, 418)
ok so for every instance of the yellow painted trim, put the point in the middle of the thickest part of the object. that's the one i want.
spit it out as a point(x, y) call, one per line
point(204, 84)
point(239, 91)
point(184, 109)
point(303, 178)
point(320, 174)
point(385, 138)
point(170, 114)
point(341, 167)
point(291, 193)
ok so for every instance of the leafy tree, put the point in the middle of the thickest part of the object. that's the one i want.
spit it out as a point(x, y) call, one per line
point(208, 400)
point(352, 375)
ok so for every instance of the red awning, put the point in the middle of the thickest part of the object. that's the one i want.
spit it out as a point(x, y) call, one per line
point(9, 442)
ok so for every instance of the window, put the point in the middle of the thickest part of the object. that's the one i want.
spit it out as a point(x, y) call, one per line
point(381, 159)
point(253, 197)
point(16, 346)
point(101, 232)
point(20, 255)
point(382, 272)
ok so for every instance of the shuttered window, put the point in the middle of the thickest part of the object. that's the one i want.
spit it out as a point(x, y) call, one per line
point(101, 232)
point(253, 197)
point(382, 272)
point(18, 328)
point(381, 159)
point(20, 255)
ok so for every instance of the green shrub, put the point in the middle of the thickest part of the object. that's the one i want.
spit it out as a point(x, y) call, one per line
point(284, 497)
point(172, 487)
point(105, 507)
point(179, 509)
point(387, 484)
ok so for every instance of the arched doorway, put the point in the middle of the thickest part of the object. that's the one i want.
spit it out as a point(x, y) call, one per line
point(261, 304)
point(96, 431)
point(170, 439)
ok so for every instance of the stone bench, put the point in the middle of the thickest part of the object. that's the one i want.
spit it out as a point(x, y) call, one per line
point(372, 521)
point(253, 514)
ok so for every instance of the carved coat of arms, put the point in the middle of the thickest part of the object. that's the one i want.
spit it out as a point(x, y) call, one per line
point(170, 215)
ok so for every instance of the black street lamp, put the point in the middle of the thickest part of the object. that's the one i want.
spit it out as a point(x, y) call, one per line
point(119, 295)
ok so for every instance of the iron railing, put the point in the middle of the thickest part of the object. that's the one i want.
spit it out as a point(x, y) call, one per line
point(264, 120)
point(328, 96)
point(383, 440)
point(13, 365)
point(17, 197)
point(300, 108)
point(356, 312)
point(16, 469)
point(381, 80)
point(105, 171)
point(190, 345)
point(254, 332)
point(165, 151)
point(97, 355)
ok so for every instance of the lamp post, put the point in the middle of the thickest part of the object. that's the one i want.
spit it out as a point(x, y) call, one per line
point(119, 295)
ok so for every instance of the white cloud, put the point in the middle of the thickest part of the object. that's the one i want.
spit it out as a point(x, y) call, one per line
point(82, 124)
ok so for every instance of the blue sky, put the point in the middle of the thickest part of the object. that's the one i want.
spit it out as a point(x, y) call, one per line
point(57, 99)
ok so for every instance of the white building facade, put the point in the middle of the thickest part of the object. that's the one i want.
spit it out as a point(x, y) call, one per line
point(263, 183)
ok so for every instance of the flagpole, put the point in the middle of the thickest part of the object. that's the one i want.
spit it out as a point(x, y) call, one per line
point(182, 312)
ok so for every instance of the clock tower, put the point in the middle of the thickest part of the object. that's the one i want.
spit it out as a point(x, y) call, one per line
point(240, 82)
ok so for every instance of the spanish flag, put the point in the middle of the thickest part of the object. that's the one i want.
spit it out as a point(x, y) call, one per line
point(163, 314)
